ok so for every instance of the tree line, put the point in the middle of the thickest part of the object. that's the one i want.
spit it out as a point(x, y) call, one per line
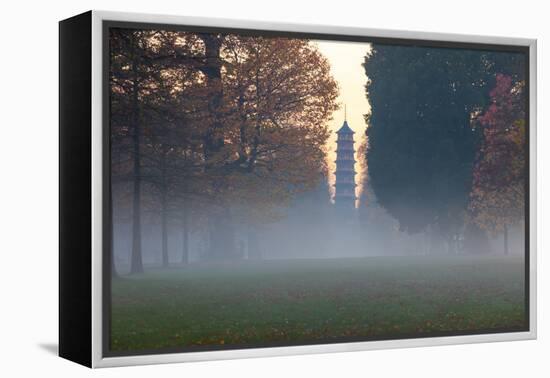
point(212, 131)
point(446, 141)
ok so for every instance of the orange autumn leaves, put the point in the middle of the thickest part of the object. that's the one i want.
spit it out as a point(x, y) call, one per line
point(239, 120)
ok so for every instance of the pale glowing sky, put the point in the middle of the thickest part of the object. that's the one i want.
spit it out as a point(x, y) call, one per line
point(345, 59)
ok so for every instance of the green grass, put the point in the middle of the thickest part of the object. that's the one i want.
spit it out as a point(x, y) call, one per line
point(301, 301)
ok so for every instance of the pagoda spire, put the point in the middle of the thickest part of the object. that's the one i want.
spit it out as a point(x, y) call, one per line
point(344, 196)
point(345, 112)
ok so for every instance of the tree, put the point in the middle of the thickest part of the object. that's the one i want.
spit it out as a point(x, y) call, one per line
point(127, 75)
point(156, 91)
point(498, 191)
point(277, 97)
point(422, 147)
point(167, 145)
point(235, 124)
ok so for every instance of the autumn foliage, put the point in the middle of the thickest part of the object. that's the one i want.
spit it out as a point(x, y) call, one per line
point(498, 190)
point(218, 127)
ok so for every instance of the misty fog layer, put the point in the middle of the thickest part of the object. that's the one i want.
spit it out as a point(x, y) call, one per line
point(310, 228)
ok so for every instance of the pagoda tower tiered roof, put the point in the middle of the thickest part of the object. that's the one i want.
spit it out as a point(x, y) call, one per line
point(344, 196)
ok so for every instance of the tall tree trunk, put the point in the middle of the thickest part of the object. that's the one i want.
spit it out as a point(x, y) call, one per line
point(164, 228)
point(506, 248)
point(222, 234)
point(213, 142)
point(136, 260)
point(164, 209)
point(185, 237)
point(114, 273)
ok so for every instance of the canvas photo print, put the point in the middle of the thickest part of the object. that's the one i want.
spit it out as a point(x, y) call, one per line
point(276, 189)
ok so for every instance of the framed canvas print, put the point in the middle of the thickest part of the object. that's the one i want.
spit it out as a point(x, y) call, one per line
point(237, 189)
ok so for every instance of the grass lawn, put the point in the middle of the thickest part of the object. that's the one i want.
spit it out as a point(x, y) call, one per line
point(303, 301)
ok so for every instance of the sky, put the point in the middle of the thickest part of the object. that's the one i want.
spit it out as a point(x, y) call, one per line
point(346, 60)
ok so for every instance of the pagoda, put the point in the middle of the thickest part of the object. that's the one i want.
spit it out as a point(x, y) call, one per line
point(344, 197)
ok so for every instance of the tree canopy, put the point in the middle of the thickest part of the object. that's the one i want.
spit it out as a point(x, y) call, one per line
point(422, 145)
point(499, 180)
point(234, 126)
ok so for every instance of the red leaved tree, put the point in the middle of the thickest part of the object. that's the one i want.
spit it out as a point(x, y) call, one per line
point(498, 191)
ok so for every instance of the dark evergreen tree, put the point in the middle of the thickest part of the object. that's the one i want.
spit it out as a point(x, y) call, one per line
point(421, 142)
